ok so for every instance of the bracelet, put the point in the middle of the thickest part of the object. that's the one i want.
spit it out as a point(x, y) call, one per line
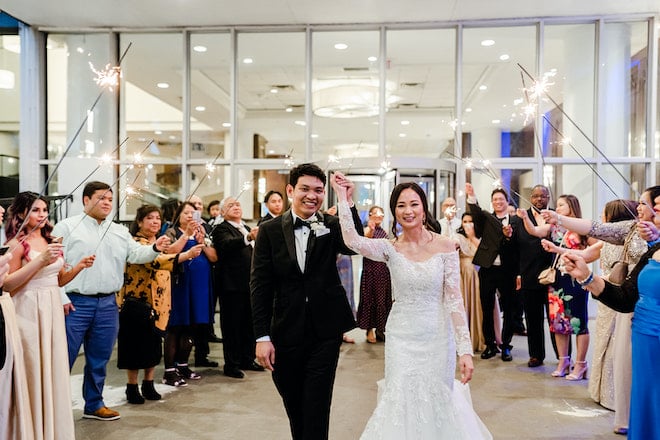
point(586, 281)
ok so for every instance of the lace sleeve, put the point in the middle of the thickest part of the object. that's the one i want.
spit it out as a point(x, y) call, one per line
point(373, 248)
point(453, 302)
point(614, 233)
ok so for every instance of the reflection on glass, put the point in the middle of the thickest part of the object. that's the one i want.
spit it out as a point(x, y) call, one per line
point(495, 123)
point(420, 92)
point(210, 100)
point(10, 47)
point(345, 96)
point(623, 73)
point(569, 67)
point(271, 95)
point(151, 93)
point(71, 92)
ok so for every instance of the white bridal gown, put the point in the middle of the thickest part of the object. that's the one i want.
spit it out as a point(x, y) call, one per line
point(419, 397)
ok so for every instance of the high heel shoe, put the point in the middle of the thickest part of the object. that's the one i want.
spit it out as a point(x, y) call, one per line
point(578, 374)
point(563, 367)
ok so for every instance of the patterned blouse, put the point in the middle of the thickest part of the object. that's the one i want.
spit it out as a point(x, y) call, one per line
point(150, 282)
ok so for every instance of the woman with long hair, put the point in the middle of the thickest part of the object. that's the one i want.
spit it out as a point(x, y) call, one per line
point(36, 273)
point(144, 303)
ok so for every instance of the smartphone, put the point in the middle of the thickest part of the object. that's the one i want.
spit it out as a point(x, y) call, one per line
point(197, 216)
point(3, 250)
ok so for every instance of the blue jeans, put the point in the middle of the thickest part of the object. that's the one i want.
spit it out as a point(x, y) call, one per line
point(94, 324)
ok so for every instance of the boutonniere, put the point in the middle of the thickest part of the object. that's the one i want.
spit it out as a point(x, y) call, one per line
point(318, 227)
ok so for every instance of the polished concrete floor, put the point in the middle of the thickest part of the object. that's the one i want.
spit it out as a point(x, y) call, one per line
point(514, 401)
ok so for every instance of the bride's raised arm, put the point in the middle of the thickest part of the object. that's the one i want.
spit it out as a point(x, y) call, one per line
point(374, 249)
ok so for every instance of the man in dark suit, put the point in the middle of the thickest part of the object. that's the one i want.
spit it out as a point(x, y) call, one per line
point(533, 260)
point(497, 255)
point(299, 306)
point(274, 204)
point(233, 241)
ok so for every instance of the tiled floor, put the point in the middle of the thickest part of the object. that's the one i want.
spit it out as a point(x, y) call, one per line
point(514, 401)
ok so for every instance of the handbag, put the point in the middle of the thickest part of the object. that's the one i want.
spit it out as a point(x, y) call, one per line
point(549, 275)
point(619, 270)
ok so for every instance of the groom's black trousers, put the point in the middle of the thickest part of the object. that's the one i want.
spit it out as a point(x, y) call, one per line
point(304, 376)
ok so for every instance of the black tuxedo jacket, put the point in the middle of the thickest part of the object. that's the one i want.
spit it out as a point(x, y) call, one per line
point(286, 302)
point(533, 259)
point(234, 256)
point(265, 218)
point(493, 241)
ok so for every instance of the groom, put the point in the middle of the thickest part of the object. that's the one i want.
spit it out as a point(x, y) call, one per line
point(299, 306)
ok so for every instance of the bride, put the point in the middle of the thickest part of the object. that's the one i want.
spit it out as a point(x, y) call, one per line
point(419, 399)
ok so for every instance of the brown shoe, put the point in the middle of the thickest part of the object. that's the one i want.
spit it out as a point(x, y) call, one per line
point(103, 413)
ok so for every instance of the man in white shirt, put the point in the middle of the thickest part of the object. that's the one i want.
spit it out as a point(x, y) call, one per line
point(449, 223)
point(92, 318)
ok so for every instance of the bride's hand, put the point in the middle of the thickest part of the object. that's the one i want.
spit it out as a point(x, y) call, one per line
point(340, 185)
point(466, 367)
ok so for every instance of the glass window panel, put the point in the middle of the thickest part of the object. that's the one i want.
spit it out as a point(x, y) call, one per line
point(624, 71)
point(271, 94)
point(568, 58)
point(152, 93)
point(420, 92)
point(494, 124)
point(345, 93)
point(210, 100)
point(518, 183)
point(10, 111)
point(577, 180)
point(71, 93)
point(209, 183)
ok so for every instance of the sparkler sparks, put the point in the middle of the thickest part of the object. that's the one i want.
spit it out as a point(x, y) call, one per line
point(107, 78)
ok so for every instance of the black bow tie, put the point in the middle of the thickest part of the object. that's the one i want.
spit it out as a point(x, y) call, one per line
point(299, 223)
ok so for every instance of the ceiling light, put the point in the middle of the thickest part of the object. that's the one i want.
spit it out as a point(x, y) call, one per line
point(314, 135)
point(468, 110)
point(200, 49)
point(200, 108)
point(7, 79)
point(12, 43)
point(163, 85)
point(226, 124)
point(517, 101)
point(341, 46)
point(405, 122)
point(372, 59)
point(483, 87)
point(158, 132)
point(172, 137)
point(301, 123)
point(495, 121)
point(402, 135)
point(288, 109)
point(488, 43)
point(274, 90)
point(248, 61)
point(504, 57)
point(80, 50)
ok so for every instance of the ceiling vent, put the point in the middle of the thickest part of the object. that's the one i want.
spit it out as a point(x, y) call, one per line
point(283, 87)
point(410, 85)
point(356, 69)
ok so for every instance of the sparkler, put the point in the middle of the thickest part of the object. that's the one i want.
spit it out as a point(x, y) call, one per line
point(246, 186)
point(350, 165)
point(210, 169)
point(288, 159)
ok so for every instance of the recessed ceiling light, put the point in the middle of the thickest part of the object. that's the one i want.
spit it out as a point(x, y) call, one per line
point(341, 46)
point(517, 101)
point(80, 50)
point(163, 85)
point(288, 109)
point(468, 110)
point(402, 135)
point(301, 123)
point(271, 151)
point(487, 43)
point(314, 135)
point(200, 108)
point(504, 57)
point(274, 90)
point(483, 87)
point(200, 49)
point(158, 132)
point(226, 124)
point(248, 61)
point(372, 59)
point(495, 121)
point(172, 137)
point(405, 122)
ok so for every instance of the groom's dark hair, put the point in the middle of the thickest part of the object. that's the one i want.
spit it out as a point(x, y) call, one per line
point(306, 169)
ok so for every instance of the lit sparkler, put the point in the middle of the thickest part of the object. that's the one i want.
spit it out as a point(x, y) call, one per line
point(108, 77)
point(246, 186)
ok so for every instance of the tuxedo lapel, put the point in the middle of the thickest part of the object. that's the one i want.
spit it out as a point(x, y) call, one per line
point(289, 239)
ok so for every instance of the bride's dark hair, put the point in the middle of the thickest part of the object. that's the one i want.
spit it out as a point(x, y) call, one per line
point(394, 198)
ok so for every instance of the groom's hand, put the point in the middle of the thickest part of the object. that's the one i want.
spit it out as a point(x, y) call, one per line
point(266, 354)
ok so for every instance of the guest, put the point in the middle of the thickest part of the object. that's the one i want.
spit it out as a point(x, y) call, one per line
point(274, 206)
point(214, 211)
point(234, 241)
point(169, 208)
point(567, 301)
point(601, 380)
point(36, 272)
point(192, 296)
point(91, 306)
point(449, 223)
point(375, 285)
point(144, 302)
point(468, 244)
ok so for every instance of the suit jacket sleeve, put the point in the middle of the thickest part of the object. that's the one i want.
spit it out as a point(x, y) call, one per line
point(262, 284)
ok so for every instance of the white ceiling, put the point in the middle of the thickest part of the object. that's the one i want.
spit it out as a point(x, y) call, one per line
point(168, 13)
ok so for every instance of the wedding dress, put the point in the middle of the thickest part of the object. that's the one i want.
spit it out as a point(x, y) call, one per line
point(419, 397)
